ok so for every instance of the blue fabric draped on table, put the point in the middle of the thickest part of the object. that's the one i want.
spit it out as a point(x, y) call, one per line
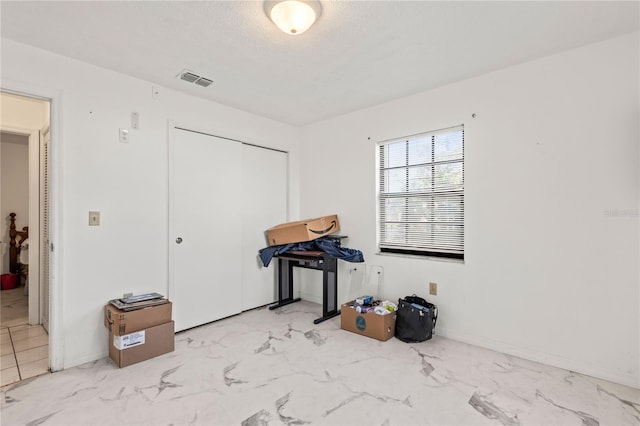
point(330, 246)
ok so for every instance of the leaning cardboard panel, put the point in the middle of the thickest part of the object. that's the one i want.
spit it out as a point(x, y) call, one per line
point(381, 327)
point(303, 230)
point(142, 345)
point(120, 322)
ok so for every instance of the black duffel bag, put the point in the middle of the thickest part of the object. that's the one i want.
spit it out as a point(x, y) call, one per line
point(416, 319)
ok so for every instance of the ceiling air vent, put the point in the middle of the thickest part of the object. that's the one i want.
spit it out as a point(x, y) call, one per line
point(204, 82)
point(191, 77)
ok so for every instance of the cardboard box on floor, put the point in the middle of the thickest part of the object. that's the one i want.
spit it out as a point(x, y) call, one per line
point(142, 345)
point(381, 327)
point(121, 322)
point(302, 230)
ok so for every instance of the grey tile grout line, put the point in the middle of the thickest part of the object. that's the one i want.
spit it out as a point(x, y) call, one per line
point(19, 365)
point(15, 357)
point(13, 349)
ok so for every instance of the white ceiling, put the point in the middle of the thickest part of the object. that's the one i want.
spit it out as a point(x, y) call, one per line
point(359, 53)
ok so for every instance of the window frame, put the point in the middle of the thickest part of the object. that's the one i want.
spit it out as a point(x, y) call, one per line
point(454, 220)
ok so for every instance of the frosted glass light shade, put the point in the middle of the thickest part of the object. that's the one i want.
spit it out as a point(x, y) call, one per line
point(293, 16)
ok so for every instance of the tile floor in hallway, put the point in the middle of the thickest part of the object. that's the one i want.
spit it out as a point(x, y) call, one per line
point(277, 368)
point(15, 307)
point(24, 348)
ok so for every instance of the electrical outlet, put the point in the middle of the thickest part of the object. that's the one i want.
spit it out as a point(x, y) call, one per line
point(94, 218)
point(433, 289)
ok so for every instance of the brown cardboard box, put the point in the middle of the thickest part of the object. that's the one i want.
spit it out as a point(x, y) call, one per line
point(120, 322)
point(303, 230)
point(141, 345)
point(381, 327)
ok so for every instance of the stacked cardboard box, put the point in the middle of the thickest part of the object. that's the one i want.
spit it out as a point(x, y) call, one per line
point(139, 334)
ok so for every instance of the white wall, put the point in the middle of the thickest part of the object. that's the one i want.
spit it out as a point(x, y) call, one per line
point(14, 188)
point(127, 183)
point(548, 274)
point(550, 270)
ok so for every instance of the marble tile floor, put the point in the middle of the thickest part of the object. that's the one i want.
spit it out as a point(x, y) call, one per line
point(277, 368)
point(24, 348)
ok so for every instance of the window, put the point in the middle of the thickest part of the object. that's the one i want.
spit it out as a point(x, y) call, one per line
point(421, 194)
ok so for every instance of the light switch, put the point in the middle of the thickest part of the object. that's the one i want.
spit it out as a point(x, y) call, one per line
point(94, 218)
point(135, 120)
point(124, 135)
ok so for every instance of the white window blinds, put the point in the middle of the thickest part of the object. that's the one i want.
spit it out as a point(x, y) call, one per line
point(421, 194)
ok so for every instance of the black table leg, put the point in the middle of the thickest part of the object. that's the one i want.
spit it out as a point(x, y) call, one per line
point(329, 289)
point(285, 284)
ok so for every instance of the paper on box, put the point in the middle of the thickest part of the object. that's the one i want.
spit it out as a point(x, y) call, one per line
point(129, 340)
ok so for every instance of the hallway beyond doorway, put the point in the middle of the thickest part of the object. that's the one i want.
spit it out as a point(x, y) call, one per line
point(24, 348)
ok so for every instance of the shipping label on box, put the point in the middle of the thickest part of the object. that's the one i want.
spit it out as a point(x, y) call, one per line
point(129, 340)
point(303, 230)
point(370, 324)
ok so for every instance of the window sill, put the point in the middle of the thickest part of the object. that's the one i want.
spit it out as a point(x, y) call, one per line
point(415, 256)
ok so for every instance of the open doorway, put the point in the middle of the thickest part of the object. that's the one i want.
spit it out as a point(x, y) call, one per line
point(24, 239)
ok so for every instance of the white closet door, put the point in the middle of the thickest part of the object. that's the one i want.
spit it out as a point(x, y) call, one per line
point(205, 228)
point(264, 204)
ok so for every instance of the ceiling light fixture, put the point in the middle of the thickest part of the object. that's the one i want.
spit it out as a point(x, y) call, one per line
point(293, 16)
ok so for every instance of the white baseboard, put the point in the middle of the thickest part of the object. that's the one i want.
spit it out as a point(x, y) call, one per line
point(543, 357)
point(311, 297)
point(85, 359)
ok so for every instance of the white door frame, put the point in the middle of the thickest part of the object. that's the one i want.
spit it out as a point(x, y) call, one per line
point(56, 335)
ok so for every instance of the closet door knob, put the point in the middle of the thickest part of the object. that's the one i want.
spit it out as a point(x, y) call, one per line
point(178, 240)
